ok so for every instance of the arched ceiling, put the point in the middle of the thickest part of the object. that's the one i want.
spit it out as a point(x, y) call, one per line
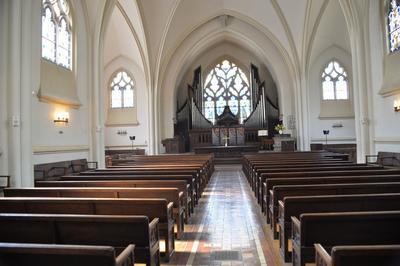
point(332, 31)
point(162, 26)
point(168, 22)
point(119, 40)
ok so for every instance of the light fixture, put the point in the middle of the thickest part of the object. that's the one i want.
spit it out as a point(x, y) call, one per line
point(396, 105)
point(61, 118)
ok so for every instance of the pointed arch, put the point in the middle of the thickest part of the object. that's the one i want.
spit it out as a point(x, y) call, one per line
point(226, 84)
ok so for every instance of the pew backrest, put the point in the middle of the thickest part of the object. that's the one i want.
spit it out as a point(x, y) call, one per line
point(118, 231)
point(17, 254)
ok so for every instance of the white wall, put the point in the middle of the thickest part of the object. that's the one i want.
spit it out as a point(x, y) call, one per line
point(125, 55)
point(3, 86)
point(345, 134)
point(384, 69)
point(52, 142)
point(112, 139)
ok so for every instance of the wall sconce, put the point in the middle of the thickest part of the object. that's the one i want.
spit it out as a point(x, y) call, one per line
point(396, 105)
point(61, 118)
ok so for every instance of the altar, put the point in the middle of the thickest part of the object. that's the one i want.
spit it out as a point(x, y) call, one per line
point(228, 131)
point(228, 136)
point(227, 151)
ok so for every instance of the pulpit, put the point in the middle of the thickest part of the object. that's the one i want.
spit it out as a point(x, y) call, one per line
point(284, 142)
point(173, 145)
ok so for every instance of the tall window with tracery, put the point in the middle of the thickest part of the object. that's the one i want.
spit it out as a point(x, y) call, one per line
point(57, 32)
point(226, 84)
point(393, 20)
point(122, 94)
point(334, 82)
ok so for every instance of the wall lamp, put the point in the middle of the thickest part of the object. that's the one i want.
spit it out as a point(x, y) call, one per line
point(397, 105)
point(61, 118)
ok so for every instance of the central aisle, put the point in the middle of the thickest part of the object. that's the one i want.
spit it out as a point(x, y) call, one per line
point(227, 227)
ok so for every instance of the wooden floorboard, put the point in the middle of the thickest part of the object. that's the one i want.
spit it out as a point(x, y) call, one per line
point(227, 227)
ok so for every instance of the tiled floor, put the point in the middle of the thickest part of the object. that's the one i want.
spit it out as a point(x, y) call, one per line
point(227, 227)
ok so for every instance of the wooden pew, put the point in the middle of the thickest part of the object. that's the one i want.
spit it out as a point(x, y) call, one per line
point(311, 171)
point(251, 167)
point(170, 194)
point(280, 192)
point(193, 191)
point(17, 254)
point(181, 185)
point(270, 183)
point(295, 206)
point(335, 229)
point(321, 174)
point(258, 170)
point(152, 208)
point(263, 168)
point(200, 179)
point(379, 255)
point(102, 230)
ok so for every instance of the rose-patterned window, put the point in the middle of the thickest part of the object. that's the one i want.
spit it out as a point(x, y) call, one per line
point(226, 85)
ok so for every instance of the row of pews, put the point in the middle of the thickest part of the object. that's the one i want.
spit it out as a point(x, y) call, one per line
point(327, 210)
point(114, 216)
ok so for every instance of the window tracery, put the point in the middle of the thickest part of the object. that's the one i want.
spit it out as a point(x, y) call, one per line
point(393, 18)
point(56, 32)
point(334, 82)
point(226, 84)
point(122, 90)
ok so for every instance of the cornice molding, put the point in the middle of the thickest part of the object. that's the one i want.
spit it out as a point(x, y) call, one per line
point(37, 150)
point(393, 140)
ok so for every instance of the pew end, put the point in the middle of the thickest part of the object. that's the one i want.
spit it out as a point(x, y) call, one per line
point(322, 257)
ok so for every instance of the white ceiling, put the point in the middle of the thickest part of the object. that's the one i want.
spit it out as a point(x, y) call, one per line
point(119, 40)
point(150, 32)
point(168, 22)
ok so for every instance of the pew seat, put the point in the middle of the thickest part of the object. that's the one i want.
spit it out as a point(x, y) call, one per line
point(170, 194)
point(341, 228)
point(152, 208)
point(18, 254)
point(379, 255)
point(105, 230)
point(295, 206)
point(181, 185)
point(280, 192)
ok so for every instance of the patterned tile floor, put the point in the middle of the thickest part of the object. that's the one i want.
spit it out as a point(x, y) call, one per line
point(227, 227)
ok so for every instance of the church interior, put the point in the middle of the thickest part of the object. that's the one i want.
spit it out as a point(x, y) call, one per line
point(199, 132)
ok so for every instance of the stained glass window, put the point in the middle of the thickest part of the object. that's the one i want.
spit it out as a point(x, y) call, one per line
point(394, 25)
point(56, 32)
point(122, 94)
point(334, 82)
point(226, 84)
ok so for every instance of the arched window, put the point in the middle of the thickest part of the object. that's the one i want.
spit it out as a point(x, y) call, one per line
point(393, 20)
point(56, 32)
point(334, 82)
point(226, 84)
point(122, 86)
